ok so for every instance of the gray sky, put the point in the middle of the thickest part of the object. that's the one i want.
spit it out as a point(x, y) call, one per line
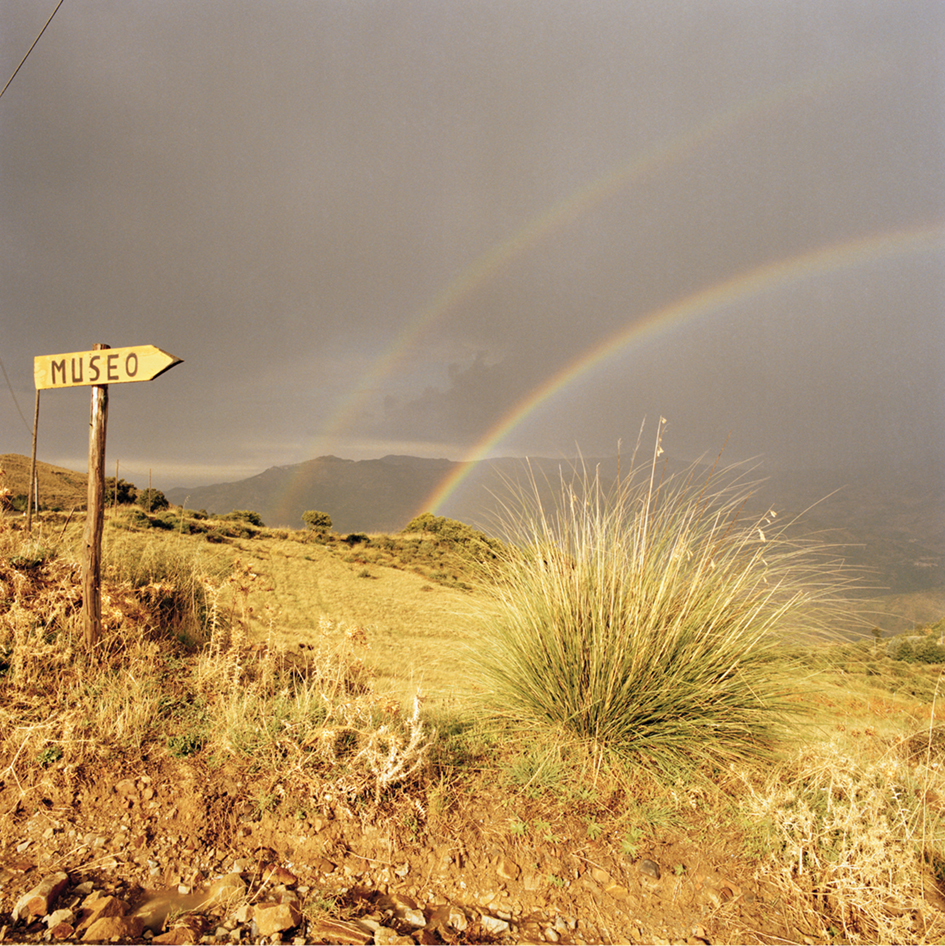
point(383, 227)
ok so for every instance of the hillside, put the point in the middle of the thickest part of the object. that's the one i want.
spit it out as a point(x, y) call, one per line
point(243, 760)
point(887, 523)
point(59, 488)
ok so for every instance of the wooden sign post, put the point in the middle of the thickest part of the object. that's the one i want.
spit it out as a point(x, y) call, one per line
point(99, 368)
point(95, 517)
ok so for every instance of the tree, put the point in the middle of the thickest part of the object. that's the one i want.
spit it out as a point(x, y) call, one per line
point(126, 492)
point(151, 499)
point(317, 521)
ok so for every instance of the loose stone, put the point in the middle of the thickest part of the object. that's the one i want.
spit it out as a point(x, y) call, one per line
point(650, 869)
point(493, 925)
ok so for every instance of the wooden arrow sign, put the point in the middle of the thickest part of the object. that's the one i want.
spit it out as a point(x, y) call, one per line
point(109, 366)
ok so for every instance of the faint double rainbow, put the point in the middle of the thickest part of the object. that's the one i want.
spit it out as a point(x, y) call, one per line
point(770, 276)
point(487, 266)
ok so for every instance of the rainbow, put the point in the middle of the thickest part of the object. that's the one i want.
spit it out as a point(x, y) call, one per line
point(773, 275)
point(490, 264)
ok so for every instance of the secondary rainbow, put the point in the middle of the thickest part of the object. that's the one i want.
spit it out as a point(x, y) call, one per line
point(835, 256)
point(487, 266)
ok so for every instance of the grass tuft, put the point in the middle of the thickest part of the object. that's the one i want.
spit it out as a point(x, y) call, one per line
point(644, 617)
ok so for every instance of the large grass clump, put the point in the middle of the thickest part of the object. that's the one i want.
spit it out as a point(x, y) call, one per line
point(645, 616)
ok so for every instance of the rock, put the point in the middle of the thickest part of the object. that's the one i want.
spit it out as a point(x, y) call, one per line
point(400, 903)
point(415, 918)
point(457, 919)
point(61, 931)
point(39, 900)
point(601, 876)
point(126, 787)
point(507, 869)
point(617, 892)
point(385, 936)
point(105, 928)
point(493, 925)
point(276, 917)
point(177, 936)
point(339, 931)
point(650, 869)
point(550, 935)
point(59, 916)
point(100, 908)
point(280, 875)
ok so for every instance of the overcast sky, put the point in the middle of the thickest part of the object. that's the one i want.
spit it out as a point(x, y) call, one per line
point(386, 227)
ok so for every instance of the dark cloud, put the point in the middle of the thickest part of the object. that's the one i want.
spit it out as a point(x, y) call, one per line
point(276, 193)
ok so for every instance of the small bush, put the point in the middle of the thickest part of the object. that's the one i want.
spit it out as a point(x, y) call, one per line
point(246, 515)
point(317, 521)
point(153, 500)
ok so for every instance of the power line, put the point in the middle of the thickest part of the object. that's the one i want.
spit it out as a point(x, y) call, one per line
point(15, 401)
point(28, 51)
point(15, 71)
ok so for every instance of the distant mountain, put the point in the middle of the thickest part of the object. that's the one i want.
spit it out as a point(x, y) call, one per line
point(359, 495)
point(884, 520)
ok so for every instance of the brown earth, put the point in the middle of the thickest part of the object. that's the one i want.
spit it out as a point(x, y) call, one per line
point(128, 833)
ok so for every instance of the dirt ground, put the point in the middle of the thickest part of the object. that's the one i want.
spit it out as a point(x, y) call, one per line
point(177, 826)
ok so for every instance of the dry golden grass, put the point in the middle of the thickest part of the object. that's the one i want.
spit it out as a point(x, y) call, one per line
point(276, 654)
point(59, 488)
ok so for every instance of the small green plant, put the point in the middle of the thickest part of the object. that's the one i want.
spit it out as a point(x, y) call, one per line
point(263, 802)
point(48, 756)
point(557, 881)
point(594, 830)
point(185, 744)
point(631, 842)
point(517, 827)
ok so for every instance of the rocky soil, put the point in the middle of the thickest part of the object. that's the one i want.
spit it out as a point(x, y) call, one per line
point(180, 855)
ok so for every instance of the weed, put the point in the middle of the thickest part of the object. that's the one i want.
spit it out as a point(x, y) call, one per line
point(517, 827)
point(185, 744)
point(594, 830)
point(49, 755)
point(631, 842)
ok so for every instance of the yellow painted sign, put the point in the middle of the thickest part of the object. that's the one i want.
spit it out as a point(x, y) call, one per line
point(107, 366)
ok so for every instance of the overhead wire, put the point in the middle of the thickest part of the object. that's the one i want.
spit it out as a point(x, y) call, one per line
point(15, 401)
point(28, 51)
point(6, 377)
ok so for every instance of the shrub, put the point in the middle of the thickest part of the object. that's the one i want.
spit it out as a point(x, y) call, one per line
point(317, 521)
point(152, 500)
point(643, 618)
point(246, 515)
point(127, 492)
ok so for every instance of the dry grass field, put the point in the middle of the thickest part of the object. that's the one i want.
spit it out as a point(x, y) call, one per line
point(324, 698)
